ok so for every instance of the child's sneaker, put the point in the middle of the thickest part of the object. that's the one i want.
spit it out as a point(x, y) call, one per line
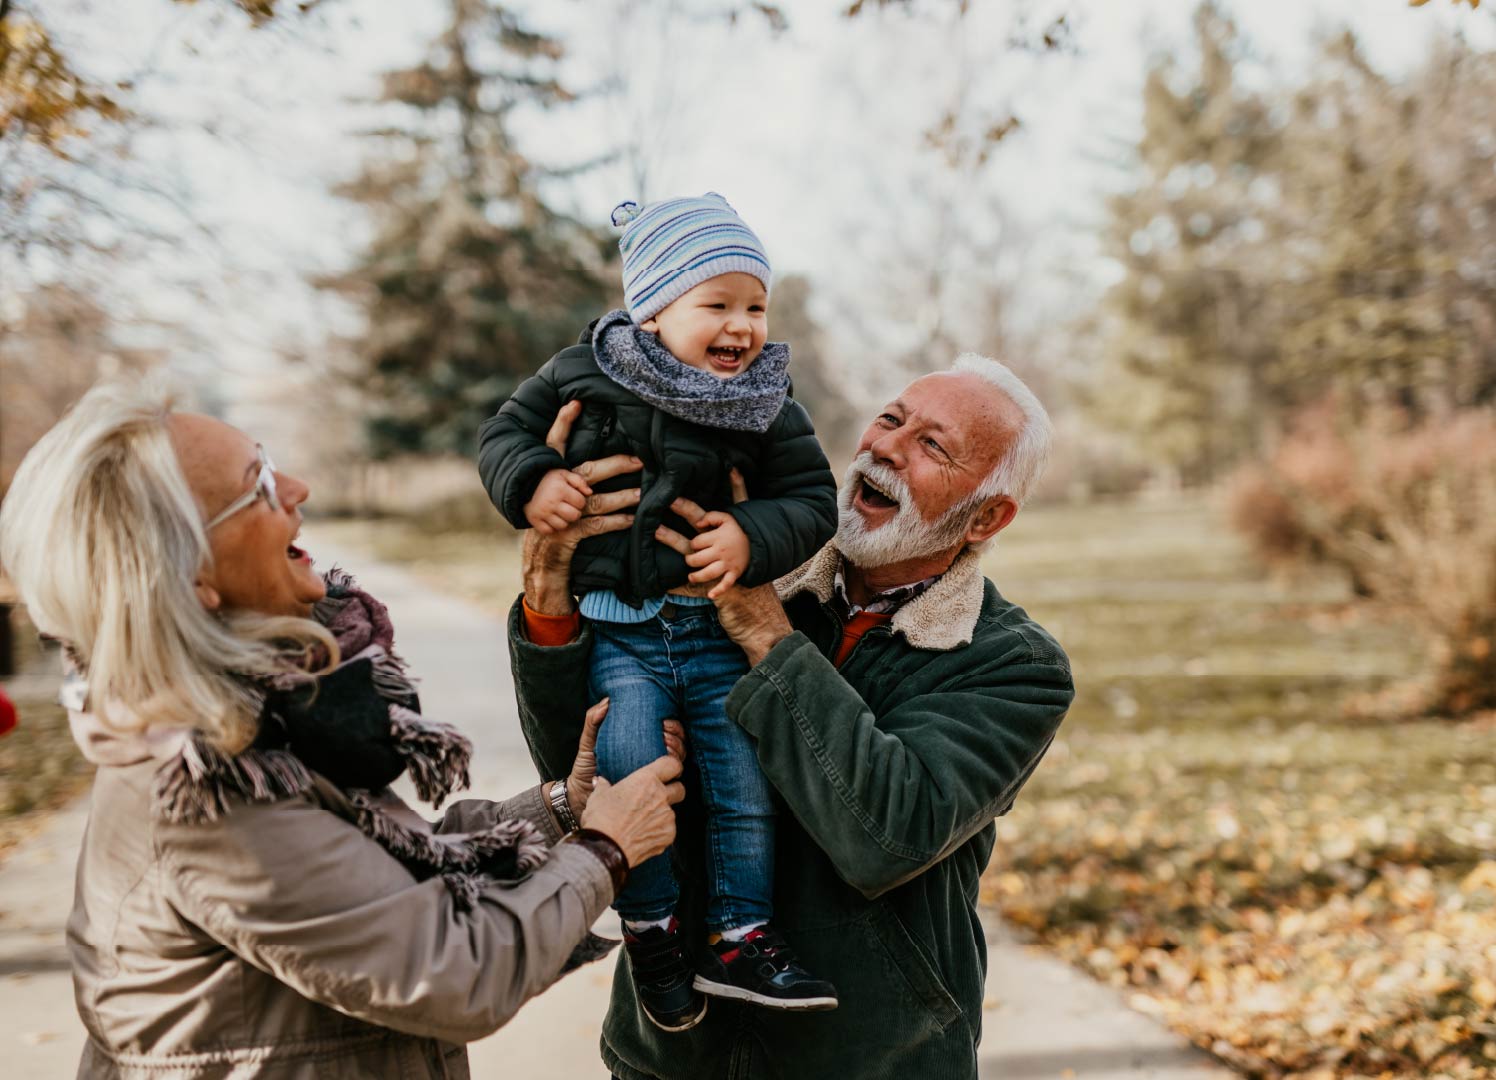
point(762, 969)
point(663, 978)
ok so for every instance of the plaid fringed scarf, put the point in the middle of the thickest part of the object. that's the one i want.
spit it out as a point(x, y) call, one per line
point(359, 726)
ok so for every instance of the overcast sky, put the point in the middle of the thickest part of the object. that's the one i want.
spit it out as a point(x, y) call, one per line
point(814, 135)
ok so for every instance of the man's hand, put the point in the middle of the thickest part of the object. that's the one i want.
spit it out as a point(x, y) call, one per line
point(720, 551)
point(753, 617)
point(547, 556)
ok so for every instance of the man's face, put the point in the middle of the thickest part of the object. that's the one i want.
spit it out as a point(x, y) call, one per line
point(718, 327)
point(909, 492)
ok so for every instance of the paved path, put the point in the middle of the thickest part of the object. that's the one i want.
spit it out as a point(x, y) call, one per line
point(1043, 1019)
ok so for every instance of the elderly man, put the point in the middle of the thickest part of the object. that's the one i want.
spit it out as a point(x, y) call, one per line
point(897, 701)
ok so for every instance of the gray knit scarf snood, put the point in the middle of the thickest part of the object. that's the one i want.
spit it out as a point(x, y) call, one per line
point(637, 361)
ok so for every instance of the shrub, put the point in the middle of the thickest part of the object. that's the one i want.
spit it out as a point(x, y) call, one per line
point(1410, 513)
point(1316, 465)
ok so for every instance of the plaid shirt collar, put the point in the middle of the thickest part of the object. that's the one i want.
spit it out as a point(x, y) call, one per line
point(884, 603)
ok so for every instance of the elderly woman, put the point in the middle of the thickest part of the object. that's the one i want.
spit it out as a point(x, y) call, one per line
point(252, 900)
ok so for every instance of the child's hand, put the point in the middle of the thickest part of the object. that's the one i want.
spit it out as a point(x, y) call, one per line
point(721, 551)
point(559, 500)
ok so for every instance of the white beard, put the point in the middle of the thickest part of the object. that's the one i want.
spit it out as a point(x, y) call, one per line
point(908, 535)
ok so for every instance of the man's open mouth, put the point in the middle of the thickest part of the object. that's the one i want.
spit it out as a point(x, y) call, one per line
point(293, 552)
point(726, 355)
point(875, 497)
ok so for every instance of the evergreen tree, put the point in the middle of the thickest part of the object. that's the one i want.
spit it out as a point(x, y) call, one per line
point(1184, 352)
point(471, 280)
point(1335, 239)
point(1393, 194)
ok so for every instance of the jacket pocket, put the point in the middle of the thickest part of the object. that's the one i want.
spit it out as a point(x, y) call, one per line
point(918, 970)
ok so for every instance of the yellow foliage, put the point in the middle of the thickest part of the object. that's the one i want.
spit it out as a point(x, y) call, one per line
point(41, 98)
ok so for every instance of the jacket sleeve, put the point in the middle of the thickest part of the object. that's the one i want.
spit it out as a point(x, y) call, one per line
point(512, 454)
point(303, 895)
point(886, 797)
point(550, 683)
point(470, 815)
point(793, 510)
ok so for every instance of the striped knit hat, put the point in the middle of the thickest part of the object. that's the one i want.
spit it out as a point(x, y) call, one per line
point(671, 247)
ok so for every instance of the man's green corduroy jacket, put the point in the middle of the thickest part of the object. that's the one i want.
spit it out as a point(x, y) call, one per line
point(891, 769)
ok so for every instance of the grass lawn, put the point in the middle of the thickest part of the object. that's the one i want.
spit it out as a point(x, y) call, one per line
point(1301, 893)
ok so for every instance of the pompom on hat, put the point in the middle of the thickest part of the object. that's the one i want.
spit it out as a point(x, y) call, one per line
point(670, 247)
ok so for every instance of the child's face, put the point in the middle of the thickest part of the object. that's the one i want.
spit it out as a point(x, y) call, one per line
point(719, 327)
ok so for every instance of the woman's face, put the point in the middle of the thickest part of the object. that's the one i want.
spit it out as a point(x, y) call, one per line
point(256, 564)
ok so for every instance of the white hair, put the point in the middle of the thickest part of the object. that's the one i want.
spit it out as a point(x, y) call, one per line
point(908, 535)
point(1019, 469)
point(104, 540)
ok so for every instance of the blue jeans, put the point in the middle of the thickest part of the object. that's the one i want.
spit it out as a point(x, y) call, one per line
point(682, 664)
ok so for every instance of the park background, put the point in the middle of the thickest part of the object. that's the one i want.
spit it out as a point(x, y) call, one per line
point(1245, 251)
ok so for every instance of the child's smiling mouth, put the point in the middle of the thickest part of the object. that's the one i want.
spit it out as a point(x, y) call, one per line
point(726, 357)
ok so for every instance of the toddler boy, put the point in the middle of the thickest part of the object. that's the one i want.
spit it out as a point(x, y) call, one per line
point(686, 381)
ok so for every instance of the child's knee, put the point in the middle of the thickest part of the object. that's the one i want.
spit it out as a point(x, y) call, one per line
point(631, 737)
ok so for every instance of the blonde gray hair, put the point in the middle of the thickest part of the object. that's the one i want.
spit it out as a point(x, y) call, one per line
point(104, 541)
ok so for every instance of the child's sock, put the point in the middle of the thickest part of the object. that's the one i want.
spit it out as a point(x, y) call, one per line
point(639, 927)
point(734, 933)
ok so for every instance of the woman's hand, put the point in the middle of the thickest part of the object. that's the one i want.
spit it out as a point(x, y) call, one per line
point(637, 813)
point(582, 781)
point(753, 618)
point(547, 558)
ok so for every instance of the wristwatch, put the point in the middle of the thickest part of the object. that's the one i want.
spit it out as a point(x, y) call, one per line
point(562, 807)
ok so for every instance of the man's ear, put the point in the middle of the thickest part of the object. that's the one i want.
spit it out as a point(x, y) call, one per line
point(651, 324)
point(207, 595)
point(996, 514)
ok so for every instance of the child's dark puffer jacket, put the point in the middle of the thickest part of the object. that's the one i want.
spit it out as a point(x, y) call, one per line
point(791, 509)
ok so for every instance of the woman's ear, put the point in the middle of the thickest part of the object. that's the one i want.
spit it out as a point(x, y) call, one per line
point(651, 324)
point(207, 595)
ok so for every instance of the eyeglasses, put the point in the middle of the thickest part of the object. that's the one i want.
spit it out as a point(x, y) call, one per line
point(264, 489)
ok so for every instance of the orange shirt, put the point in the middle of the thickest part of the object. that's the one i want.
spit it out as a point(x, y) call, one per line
point(857, 625)
point(551, 630)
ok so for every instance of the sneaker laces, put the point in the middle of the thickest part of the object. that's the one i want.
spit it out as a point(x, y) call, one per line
point(655, 954)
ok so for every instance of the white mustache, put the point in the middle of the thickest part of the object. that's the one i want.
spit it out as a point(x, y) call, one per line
point(883, 478)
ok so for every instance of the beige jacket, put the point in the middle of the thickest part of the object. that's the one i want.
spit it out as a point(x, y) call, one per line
point(280, 942)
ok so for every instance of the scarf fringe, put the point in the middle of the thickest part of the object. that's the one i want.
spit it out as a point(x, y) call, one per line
point(442, 853)
point(465, 888)
point(197, 784)
point(591, 948)
point(436, 754)
point(338, 582)
point(393, 679)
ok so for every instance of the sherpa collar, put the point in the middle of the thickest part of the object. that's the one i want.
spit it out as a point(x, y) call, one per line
point(942, 618)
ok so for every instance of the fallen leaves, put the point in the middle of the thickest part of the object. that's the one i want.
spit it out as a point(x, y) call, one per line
point(1344, 922)
point(1300, 894)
